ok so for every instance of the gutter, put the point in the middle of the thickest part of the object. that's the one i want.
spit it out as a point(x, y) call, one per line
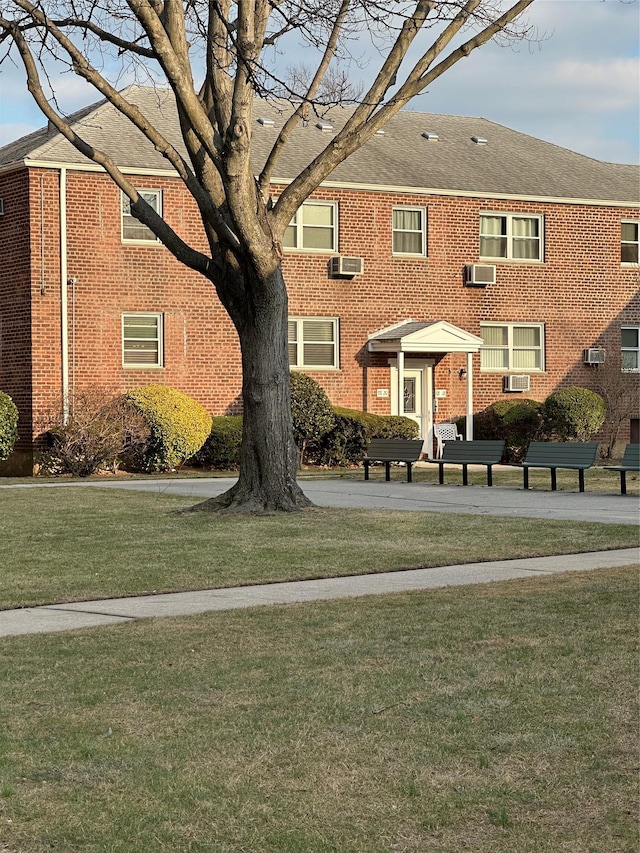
point(64, 318)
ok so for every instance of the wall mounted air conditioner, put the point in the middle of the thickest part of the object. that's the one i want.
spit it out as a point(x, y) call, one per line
point(594, 355)
point(516, 382)
point(346, 266)
point(479, 275)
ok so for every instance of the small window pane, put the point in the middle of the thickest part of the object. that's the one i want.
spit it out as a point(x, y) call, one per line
point(320, 355)
point(318, 330)
point(318, 238)
point(493, 247)
point(495, 335)
point(526, 336)
point(407, 244)
point(630, 232)
point(318, 214)
point(494, 359)
point(629, 337)
point(526, 359)
point(141, 340)
point(629, 360)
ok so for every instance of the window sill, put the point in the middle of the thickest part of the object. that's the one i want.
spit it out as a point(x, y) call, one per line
point(149, 243)
point(514, 261)
point(322, 369)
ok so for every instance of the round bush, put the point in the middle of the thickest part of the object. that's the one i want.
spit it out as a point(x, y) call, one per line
point(221, 450)
point(347, 442)
point(8, 425)
point(518, 422)
point(311, 411)
point(574, 413)
point(179, 426)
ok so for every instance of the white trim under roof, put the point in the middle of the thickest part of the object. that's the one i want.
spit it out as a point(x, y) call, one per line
point(341, 185)
point(435, 336)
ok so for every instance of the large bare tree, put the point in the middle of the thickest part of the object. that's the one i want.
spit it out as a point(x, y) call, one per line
point(226, 44)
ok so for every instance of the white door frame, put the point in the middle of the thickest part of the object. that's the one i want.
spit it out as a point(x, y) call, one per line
point(425, 366)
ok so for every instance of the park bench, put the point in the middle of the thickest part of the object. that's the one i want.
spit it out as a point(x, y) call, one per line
point(465, 453)
point(630, 462)
point(573, 455)
point(390, 450)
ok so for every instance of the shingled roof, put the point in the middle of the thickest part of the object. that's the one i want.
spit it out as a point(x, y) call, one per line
point(507, 164)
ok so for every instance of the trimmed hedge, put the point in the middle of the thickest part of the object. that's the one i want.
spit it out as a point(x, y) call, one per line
point(8, 425)
point(221, 450)
point(347, 442)
point(518, 422)
point(574, 413)
point(311, 412)
point(179, 426)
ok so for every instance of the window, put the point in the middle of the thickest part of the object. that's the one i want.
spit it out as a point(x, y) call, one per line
point(313, 343)
point(313, 228)
point(511, 236)
point(409, 231)
point(142, 340)
point(132, 229)
point(629, 242)
point(630, 340)
point(512, 346)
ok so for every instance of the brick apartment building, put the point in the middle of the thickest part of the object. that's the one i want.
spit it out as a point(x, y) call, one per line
point(449, 263)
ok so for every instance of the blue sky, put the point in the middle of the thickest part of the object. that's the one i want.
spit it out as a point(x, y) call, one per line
point(578, 86)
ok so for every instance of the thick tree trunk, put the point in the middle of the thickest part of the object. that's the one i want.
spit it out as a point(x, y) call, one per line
point(269, 457)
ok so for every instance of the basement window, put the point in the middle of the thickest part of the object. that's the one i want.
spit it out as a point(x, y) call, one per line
point(142, 339)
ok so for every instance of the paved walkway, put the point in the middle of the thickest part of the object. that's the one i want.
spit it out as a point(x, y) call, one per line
point(87, 614)
point(610, 508)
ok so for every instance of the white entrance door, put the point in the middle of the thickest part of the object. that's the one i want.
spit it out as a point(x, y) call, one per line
point(417, 385)
point(413, 381)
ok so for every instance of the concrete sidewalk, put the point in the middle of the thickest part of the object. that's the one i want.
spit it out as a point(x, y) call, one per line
point(88, 614)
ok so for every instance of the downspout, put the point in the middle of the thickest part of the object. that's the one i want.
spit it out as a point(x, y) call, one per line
point(64, 319)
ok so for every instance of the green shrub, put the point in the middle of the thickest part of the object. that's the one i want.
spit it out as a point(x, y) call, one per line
point(347, 442)
point(101, 428)
point(311, 412)
point(8, 425)
point(574, 413)
point(518, 422)
point(179, 426)
point(221, 450)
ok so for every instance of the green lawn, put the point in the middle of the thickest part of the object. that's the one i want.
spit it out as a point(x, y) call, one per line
point(500, 718)
point(77, 543)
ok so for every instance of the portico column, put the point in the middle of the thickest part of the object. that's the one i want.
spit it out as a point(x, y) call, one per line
point(469, 435)
point(401, 383)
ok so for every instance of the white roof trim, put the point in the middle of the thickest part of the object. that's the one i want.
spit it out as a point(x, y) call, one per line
point(342, 185)
point(438, 336)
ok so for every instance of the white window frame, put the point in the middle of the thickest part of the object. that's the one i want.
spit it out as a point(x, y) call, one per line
point(635, 242)
point(511, 348)
point(423, 231)
point(151, 240)
point(298, 223)
point(300, 342)
point(511, 238)
point(159, 339)
point(635, 350)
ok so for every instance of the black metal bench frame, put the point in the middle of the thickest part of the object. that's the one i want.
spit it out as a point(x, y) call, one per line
point(630, 462)
point(390, 450)
point(465, 453)
point(570, 455)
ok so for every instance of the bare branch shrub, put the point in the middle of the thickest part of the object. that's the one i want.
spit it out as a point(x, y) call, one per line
point(620, 390)
point(103, 428)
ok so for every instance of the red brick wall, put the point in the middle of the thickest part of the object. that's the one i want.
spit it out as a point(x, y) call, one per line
point(581, 293)
point(15, 309)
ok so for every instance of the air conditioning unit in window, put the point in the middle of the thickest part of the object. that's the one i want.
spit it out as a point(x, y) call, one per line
point(346, 266)
point(479, 275)
point(516, 382)
point(594, 355)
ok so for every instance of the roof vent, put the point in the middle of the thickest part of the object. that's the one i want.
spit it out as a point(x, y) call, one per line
point(479, 140)
point(266, 122)
point(380, 132)
point(430, 136)
point(324, 127)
